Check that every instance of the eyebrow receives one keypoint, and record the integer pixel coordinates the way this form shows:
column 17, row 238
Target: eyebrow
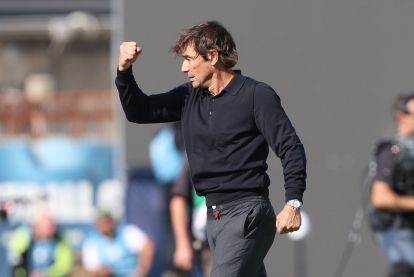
column 190, row 57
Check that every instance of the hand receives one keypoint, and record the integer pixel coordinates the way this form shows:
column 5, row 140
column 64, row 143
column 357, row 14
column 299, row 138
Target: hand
column 128, row 53
column 288, row 220
column 183, row 256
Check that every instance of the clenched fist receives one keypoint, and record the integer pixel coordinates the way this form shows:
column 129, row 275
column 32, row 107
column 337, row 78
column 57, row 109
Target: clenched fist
column 288, row 220
column 128, row 53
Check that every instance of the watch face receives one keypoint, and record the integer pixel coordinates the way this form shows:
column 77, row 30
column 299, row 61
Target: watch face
column 295, row 203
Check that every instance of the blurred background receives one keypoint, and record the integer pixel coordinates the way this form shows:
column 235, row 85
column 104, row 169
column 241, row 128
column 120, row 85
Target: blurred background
column 65, row 143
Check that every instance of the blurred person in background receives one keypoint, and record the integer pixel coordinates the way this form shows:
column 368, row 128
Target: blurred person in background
column 5, row 228
column 192, row 254
column 170, row 167
column 166, row 159
column 117, row 250
column 187, row 210
column 392, row 192
column 228, row 121
column 40, row 251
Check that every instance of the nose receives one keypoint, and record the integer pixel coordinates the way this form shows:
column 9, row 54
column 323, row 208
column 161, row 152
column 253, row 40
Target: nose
column 184, row 66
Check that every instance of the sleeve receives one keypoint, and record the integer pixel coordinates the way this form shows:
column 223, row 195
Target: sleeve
column 142, row 108
column 182, row 186
column 20, row 240
column 275, row 126
column 385, row 166
column 64, row 260
column 135, row 238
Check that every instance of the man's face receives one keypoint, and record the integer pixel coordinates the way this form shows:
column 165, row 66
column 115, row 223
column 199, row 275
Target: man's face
column 408, row 119
column 198, row 70
column 44, row 227
column 106, row 226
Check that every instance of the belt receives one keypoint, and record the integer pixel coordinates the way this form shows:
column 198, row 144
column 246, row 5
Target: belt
column 216, row 209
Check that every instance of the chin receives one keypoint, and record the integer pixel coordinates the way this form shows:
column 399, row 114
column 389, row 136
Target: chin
column 195, row 85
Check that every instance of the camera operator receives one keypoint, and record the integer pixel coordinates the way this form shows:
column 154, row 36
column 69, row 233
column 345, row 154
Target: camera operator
column 392, row 192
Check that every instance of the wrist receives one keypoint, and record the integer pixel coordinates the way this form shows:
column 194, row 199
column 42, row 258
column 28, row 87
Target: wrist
column 123, row 67
column 183, row 242
column 295, row 204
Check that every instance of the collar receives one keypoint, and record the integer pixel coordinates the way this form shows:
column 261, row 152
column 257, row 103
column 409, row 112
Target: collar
column 236, row 83
column 409, row 136
column 233, row 87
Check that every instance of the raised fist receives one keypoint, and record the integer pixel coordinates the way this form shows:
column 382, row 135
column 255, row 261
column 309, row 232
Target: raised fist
column 128, row 53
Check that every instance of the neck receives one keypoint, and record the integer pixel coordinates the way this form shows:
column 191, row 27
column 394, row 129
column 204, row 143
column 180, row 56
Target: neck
column 220, row 80
column 404, row 130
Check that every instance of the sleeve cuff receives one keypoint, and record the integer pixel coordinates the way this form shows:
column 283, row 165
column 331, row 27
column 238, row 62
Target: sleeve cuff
column 291, row 194
column 125, row 74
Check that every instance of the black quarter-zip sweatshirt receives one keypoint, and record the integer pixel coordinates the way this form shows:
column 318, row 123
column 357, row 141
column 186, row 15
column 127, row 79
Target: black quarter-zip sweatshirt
column 227, row 137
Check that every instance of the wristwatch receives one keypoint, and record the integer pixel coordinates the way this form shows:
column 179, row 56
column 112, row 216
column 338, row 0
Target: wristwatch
column 294, row 203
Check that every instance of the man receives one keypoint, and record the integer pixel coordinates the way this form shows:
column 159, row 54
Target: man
column 117, row 250
column 228, row 123
column 188, row 219
column 191, row 256
column 392, row 192
column 41, row 250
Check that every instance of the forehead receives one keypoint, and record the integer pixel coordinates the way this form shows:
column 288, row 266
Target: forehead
column 410, row 105
column 104, row 220
column 189, row 50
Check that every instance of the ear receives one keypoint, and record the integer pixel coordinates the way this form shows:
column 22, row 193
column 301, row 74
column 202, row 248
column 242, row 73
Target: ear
column 213, row 57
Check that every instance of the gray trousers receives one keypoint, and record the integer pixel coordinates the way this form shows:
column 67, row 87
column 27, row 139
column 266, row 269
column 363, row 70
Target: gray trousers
column 240, row 234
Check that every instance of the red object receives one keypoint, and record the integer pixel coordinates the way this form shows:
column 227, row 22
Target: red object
column 216, row 214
